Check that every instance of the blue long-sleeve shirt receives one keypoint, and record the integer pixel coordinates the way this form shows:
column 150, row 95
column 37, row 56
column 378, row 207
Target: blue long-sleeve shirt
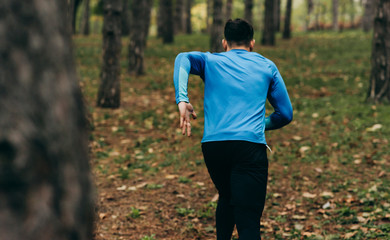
column 237, row 84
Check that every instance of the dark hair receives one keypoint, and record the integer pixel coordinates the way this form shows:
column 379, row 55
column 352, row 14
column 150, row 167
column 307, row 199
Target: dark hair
column 238, row 32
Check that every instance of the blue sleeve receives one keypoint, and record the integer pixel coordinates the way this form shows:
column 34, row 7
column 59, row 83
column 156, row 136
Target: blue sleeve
column 185, row 64
column 280, row 101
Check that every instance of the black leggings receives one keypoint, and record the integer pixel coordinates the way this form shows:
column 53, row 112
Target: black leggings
column 239, row 170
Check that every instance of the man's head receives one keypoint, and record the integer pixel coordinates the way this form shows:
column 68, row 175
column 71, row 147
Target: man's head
column 238, row 33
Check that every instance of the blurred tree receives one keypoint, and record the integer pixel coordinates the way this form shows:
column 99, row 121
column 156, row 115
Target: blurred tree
column 137, row 43
column 248, row 10
column 209, row 14
column 85, row 20
column 73, row 6
column 217, row 27
column 166, row 21
column 287, row 21
column 335, row 15
column 188, row 24
column 109, row 90
column 369, row 14
column 179, row 16
column 228, row 9
column 380, row 74
column 45, row 181
column 268, row 37
column 277, row 7
column 352, row 12
column 310, row 6
column 126, row 18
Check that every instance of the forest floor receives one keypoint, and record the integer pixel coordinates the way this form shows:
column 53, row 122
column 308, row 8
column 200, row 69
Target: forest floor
column 329, row 169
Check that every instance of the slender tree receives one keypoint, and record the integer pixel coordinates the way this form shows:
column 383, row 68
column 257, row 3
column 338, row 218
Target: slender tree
column 228, row 9
column 248, row 10
column 45, row 181
column 380, row 74
column 137, row 44
column 85, row 19
column 109, row 90
column 310, row 6
column 126, row 16
column 188, row 24
column 268, row 37
column 335, row 15
column 167, row 21
column 147, row 14
column 209, row 14
column 217, row 27
column 277, row 7
column 287, row 20
column 179, row 16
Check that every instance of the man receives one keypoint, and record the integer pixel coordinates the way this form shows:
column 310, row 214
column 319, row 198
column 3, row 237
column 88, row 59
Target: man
column 237, row 84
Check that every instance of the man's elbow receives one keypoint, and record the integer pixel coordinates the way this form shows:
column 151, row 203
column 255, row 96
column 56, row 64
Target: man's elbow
column 287, row 116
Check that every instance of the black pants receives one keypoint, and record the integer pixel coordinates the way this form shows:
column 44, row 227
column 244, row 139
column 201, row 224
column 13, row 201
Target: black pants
column 239, row 170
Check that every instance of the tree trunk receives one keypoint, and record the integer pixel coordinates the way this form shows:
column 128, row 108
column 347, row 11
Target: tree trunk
column 167, row 21
column 248, row 10
column 45, row 181
column 269, row 24
column 179, row 12
column 209, row 14
column 85, row 20
column 141, row 21
column 125, row 21
column 109, row 90
column 352, row 14
column 309, row 11
column 74, row 8
column 228, row 9
column 287, row 21
column 380, row 74
column 160, row 20
column 335, row 15
column 369, row 14
column 69, row 15
column 188, row 24
column 277, row 15
column 217, row 27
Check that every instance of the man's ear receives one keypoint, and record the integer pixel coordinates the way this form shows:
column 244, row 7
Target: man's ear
column 252, row 44
column 224, row 44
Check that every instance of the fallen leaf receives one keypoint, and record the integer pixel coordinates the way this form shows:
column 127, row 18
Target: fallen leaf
column 309, row 195
column 327, row 194
column 215, row 198
column 374, row 128
column 122, row 188
column 299, row 217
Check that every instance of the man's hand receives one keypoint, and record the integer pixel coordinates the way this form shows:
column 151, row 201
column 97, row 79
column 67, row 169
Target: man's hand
column 186, row 112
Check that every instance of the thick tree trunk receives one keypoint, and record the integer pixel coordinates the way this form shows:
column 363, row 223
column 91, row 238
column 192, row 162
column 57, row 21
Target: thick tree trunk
column 167, row 21
column 179, row 16
column 45, row 181
column 277, row 15
column 268, row 37
column 188, row 24
column 248, row 10
column 109, row 90
column 137, row 44
column 125, row 23
column 217, row 27
column 380, row 74
column 335, row 15
column 228, row 9
column 287, row 21
column 85, row 21
column 369, row 14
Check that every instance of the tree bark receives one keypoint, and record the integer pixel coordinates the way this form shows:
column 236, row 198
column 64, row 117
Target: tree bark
column 167, row 21
column 277, row 15
column 228, row 9
column 335, row 15
column 85, row 21
column 217, row 27
column 248, row 10
column 45, row 181
column 369, row 14
column 109, row 90
column 380, row 74
column 70, row 15
column 287, row 21
column 179, row 16
column 125, row 23
column 137, row 44
column 188, row 24
column 268, row 37
column 160, row 20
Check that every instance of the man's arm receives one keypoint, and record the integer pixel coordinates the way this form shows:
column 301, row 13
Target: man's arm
column 185, row 64
column 280, row 101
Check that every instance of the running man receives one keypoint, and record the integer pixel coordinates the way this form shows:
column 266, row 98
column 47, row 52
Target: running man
column 237, row 84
